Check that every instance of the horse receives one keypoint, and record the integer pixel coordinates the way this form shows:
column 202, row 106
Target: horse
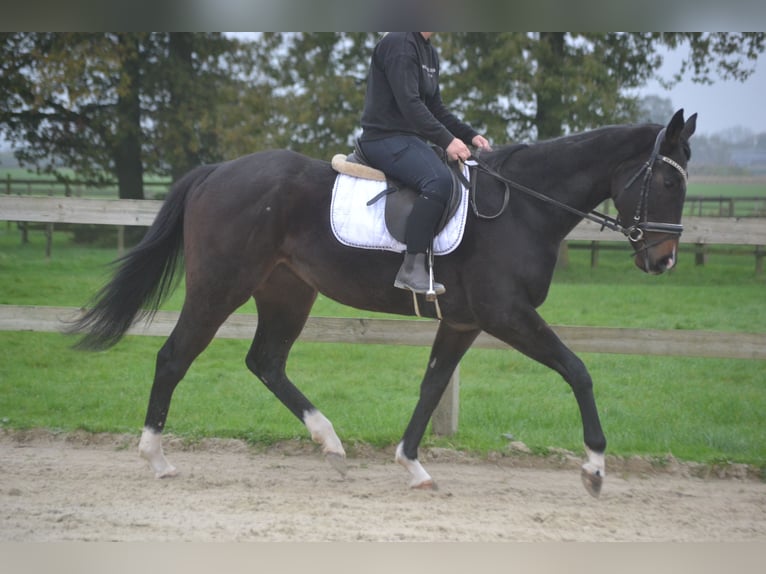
column 258, row 226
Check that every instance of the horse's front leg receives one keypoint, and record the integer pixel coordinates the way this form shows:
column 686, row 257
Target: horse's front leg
column 450, row 345
column 531, row 335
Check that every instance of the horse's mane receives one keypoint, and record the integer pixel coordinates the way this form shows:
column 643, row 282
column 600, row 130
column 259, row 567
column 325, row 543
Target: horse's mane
column 500, row 155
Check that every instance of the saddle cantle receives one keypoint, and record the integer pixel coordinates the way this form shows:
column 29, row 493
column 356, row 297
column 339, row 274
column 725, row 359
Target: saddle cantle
column 399, row 197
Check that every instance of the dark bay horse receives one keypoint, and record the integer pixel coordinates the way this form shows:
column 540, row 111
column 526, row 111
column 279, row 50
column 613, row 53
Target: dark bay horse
column 258, row 226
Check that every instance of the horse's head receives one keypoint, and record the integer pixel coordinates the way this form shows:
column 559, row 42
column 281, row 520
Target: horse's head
column 650, row 198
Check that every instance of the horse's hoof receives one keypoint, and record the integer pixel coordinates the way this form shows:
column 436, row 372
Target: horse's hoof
column 168, row 472
column 338, row 462
column 425, row 485
column 592, row 482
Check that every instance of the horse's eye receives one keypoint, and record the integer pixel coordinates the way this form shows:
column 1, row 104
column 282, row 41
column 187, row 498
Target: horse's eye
column 670, row 182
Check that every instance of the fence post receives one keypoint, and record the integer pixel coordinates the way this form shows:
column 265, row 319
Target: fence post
column 48, row 236
column 594, row 254
column 445, row 417
column 8, row 192
column 563, row 259
column 759, row 254
column 700, row 254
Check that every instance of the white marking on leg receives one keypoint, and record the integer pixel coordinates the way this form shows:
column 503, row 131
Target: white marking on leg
column 420, row 478
column 150, row 448
column 596, row 465
column 322, row 432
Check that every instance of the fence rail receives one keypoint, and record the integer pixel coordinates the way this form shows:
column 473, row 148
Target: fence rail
column 697, row 230
column 723, row 206
column 615, row 340
column 75, row 187
column 699, row 205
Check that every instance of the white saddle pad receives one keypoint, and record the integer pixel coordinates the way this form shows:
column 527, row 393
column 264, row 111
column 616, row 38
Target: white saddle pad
column 357, row 224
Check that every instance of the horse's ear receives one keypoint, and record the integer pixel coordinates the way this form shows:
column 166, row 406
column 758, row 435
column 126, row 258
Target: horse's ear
column 675, row 127
column 689, row 127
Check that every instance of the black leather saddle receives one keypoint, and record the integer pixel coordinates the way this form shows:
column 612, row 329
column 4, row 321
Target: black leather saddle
column 400, row 198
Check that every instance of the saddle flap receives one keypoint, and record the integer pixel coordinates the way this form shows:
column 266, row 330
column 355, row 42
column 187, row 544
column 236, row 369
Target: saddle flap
column 398, row 208
column 400, row 201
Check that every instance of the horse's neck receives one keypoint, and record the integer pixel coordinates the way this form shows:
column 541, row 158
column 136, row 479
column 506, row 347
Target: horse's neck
column 576, row 171
column 589, row 162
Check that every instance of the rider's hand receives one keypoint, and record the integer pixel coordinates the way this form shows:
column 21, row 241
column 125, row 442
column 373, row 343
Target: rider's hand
column 481, row 143
column 458, row 150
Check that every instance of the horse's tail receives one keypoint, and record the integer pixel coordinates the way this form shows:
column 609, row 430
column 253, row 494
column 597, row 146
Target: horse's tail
column 144, row 277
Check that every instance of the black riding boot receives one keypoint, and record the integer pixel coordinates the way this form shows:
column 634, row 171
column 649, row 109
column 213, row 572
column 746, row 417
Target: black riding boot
column 421, row 224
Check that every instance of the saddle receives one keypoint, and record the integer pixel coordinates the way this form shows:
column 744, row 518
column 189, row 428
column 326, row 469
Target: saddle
column 399, row 197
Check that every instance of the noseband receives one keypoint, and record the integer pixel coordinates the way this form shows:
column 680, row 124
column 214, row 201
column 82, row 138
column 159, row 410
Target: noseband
column 641, row 223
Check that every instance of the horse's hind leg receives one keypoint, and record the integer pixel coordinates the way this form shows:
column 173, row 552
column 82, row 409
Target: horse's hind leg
column 197, row 325
column 284, row 303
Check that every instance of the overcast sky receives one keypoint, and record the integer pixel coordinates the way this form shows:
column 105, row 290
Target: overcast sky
column 723, row 105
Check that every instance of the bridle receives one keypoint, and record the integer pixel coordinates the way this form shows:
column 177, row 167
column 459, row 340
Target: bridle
column 640, row 224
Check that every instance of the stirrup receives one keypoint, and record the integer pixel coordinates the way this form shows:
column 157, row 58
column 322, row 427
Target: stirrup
column 431, row 293
column 416, row 305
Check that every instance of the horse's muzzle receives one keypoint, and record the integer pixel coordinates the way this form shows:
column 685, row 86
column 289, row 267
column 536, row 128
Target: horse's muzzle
column 657, row 257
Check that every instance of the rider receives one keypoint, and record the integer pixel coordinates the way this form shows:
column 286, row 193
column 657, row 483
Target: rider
column 403, row 111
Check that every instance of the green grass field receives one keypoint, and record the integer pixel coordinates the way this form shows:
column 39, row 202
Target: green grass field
column 708, row 410
column 723, row 189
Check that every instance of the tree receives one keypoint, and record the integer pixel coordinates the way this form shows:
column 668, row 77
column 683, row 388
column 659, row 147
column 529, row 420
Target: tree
column 71, row 108
column 544, row 85
column 190, row 80
column 115, row 105
column 107, row 105
column 654, row 109
column 319, row 81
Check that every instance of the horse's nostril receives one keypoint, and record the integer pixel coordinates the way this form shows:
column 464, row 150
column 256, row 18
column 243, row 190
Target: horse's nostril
column 671, row 262
column 666, row 263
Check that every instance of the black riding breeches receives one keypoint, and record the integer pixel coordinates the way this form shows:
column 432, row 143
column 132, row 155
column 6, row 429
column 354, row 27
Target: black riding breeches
column 411, row 161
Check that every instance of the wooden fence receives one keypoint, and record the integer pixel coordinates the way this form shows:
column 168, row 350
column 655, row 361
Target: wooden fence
column 699, row 205
column 697, row 230
column 70, row 188
column 748, row 231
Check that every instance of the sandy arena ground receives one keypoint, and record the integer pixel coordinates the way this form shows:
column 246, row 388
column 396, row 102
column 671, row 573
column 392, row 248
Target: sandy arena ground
column 80, row 487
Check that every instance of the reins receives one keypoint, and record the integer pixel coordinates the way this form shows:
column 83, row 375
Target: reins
column 634, row 232
column 597, row 217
